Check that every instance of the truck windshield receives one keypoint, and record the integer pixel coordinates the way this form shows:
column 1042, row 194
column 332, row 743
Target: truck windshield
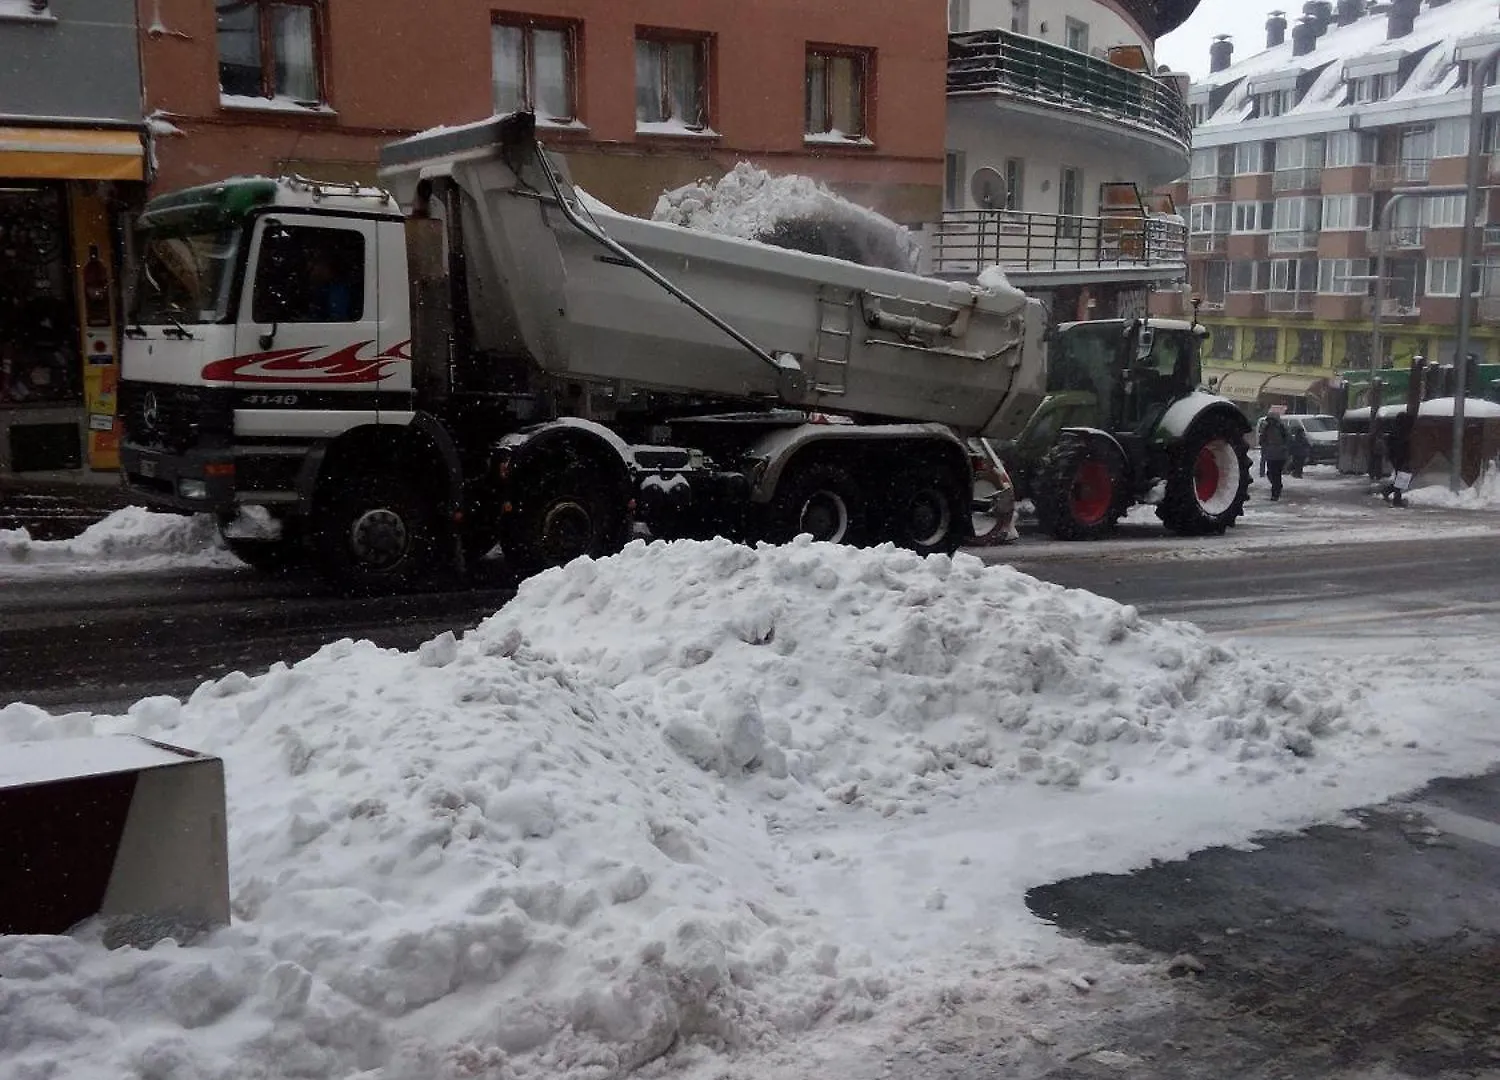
column 182, row 277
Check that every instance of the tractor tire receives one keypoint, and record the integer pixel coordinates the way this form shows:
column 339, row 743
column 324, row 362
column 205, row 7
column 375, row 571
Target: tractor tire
column 925, row 510
column 823, row 500
column 1080, row 490
column 564, row 516
column 1208, row 482
column 376, row 534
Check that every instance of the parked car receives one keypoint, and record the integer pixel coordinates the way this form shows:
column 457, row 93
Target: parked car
column 1322, row 436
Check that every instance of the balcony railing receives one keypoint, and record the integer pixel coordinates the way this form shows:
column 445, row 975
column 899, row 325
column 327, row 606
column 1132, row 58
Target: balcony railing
column 1207, row 243
column 967, row 241
column 1395, row 307
column 1289, row 303
column 1406, row 236
column 1200, row 186
column 1033, row 70
column 1296, row 179
column 1294, row 240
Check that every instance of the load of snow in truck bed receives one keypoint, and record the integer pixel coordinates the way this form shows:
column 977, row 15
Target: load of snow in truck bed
column 789, row 211
column 579, row 835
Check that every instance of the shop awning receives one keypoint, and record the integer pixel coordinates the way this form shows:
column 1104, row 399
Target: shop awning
column 1294, row 385
column 1242, row 385
column 43, row 153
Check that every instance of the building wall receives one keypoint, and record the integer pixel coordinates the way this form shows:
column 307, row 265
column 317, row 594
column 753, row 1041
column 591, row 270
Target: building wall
column 1109, row 24
column 78, row 60
column 393, row 68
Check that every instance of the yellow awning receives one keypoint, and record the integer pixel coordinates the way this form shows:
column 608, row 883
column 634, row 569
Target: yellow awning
column 1242, row 385
column 43, row 153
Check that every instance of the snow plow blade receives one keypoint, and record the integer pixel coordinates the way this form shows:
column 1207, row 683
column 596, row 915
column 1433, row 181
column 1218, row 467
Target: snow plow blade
column 119, row 827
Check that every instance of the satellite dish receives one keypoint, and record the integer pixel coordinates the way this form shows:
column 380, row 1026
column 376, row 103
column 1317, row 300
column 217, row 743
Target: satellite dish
column 987, row 188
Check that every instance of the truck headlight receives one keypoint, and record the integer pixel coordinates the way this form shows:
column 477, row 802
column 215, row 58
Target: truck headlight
column 192, row 489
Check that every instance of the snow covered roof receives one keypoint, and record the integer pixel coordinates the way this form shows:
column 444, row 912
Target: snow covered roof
column 1342, row 52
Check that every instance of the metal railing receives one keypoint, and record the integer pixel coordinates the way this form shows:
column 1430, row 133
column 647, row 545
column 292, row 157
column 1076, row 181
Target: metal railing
column 1200, row 186
column 967, row 241
column 1296, row 179
column 1038, row 71
column 1286, row 303
column 1294, row 240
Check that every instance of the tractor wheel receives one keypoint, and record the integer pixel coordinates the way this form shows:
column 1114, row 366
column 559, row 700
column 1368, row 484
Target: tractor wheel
column 1209, row 480
column 377, row 534
column 561, row 517
column 823, row 500
column 1080, row 490
column 992, row 511
column 925, row 510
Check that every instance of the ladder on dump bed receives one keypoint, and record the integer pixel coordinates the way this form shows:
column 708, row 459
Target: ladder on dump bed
column 835, row 340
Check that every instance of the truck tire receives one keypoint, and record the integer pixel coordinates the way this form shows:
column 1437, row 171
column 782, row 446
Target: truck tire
column 1209, row 481
column 376, row 534
column 926, row 511
column 560, row 518
column 1079, row 491
column 821, row 499
column 992, row 510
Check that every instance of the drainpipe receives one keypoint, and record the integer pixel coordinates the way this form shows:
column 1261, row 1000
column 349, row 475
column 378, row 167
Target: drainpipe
column 1478, row 73
column 1383, row 228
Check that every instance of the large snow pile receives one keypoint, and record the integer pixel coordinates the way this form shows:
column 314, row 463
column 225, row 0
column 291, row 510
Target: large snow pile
column 792, row 212
column 130, row 534
column 1484, row 495
column 580, row 835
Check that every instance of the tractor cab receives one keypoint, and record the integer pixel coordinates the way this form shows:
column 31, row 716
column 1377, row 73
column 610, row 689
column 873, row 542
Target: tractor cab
column 1161, row 366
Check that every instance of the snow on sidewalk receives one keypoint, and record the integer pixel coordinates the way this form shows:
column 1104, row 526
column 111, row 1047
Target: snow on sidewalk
column 1484, row 495
column 142, row 538
column 697, row 797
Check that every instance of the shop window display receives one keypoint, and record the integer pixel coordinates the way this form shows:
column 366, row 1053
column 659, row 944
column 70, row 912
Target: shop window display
column 38, row 328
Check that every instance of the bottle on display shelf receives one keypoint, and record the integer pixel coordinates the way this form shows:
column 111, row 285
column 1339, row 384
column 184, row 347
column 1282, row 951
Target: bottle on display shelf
column 95, row 290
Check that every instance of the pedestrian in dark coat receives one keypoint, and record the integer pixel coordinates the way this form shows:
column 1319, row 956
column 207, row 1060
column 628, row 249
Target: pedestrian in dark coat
column 1301, row 451
column 1275, row 446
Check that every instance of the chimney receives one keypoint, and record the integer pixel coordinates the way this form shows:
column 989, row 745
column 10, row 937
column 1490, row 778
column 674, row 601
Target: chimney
column 1401, row 18
column 1304, row 36
column 1320, row 12
column 1220, row 53
column 1349, row 11
column 1275, row 29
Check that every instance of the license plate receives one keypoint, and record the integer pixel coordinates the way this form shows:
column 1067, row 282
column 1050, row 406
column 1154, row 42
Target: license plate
column 148, row 468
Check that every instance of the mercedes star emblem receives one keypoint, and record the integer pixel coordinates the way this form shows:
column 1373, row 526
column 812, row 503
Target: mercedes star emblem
column 150, row 410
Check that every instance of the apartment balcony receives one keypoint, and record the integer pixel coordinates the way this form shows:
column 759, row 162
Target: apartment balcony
column 1296, row 179
column 1059, row 248
column 1208, row 244
column 1492, row 236
column 1208, row 186
column 1399, row 307
column 1295, row 240
column 1405, row 237
column 1110, row 105
column 1290, row 303
column 1401, row 174
column 1489, row 309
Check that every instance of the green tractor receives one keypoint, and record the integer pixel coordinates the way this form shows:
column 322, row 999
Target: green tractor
column 1124, row 422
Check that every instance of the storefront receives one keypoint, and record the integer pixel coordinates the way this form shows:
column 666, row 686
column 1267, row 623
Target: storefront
column 64, row 195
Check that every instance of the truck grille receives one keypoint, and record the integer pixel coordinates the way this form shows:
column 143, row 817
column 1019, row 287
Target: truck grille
column 172, row 417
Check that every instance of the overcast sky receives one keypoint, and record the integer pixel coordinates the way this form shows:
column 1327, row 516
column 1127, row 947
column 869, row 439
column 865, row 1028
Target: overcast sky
column 1186, row 48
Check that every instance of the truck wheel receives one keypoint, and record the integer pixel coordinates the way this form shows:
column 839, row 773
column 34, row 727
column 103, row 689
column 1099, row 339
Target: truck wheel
column 823, row 500
column 992, row 510
column 376, row 534
column 1209, row 480
column 1079, row 491
column 562, row 518
column 925, row 511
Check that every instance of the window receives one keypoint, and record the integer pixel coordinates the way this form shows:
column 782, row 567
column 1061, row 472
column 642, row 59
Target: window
column 1306, row 153
column 1266, row 341
column 269, row 50
column 1309, row 351
column 671, row 82
column 1275, row 102
column 958, row 16
column 1293, row 275
column 1221, row 342
column 533, row 65
column 1349, row 148
column 836, row 92
column 1076, row 34
column 309, row 275
column 1416, row 144
column 1210, row 217
column 1450, row 138
column 1020, row 16
column 1446, row 211
column 1253, row 217
column 1249, row 276
column 1198, row 113
column 1069, row 191
column 1215, row 282
column 1015, row 177
column 953, row 179
column 1443, row 275
column 1344, row 277
column 1249, row 158
column 1205, row 163
column 1466, row 73
column 1347, row 212
column 1357, row 346
column 1369, row 88
column 1295, row 223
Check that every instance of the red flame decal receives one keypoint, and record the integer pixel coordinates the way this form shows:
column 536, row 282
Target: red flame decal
column 304, row 365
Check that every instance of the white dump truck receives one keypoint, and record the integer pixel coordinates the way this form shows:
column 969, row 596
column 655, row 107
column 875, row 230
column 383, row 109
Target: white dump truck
column 395, row 380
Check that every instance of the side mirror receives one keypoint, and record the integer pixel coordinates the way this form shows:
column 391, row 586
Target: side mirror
column 1145, row 338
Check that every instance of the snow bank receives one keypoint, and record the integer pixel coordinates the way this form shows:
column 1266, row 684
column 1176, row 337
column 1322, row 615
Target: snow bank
column 1485, row 495
column 789, row 211
column 131, row 534
column 591, row 829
